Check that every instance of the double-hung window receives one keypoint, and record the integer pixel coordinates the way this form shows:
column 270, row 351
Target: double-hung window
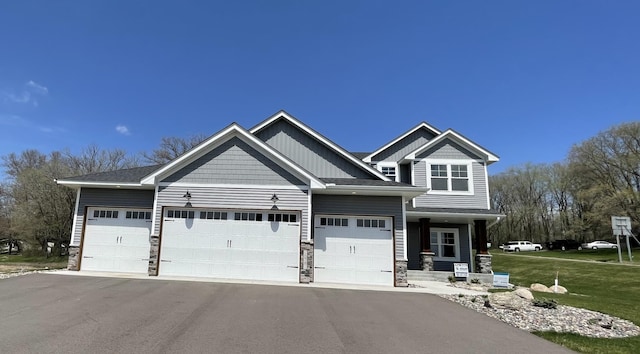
column 445, row 243
column 453, row 178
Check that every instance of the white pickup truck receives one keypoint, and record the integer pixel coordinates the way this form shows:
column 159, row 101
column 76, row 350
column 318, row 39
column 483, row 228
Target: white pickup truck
column 517, row 246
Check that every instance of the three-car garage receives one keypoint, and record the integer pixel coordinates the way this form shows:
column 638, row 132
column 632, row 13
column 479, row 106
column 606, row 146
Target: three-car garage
column 261, row 245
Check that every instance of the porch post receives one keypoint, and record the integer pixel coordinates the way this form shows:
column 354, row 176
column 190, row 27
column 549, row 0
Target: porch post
column 483, row 258
column 481, row 236
column 425, row 235
column 426, row 256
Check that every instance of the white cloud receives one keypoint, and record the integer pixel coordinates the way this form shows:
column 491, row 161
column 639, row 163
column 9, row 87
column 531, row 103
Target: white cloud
column 12, row 120
column 29, row 94
column 37, row 88
column 122, row 129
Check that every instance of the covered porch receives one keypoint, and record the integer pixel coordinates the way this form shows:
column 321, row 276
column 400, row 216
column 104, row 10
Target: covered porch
column 439, row 237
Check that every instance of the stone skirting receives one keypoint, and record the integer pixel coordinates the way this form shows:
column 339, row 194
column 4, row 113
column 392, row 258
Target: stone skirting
column 306, row 262
column 74, row 258
column 401, row 274
column 154, row 252
column 483, row 264
column 426, row 261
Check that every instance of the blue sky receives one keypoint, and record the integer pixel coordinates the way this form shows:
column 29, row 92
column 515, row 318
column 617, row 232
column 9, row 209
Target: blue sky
column 525, row 79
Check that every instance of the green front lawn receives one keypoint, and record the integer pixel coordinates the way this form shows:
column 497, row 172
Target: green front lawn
column 608, row 255
column 603, row 286
column 18, row 263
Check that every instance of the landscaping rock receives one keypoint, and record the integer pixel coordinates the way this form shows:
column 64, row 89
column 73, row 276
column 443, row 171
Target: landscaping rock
column 524, row 293
column 540, row 288
column 508, row 300
column 559, row 290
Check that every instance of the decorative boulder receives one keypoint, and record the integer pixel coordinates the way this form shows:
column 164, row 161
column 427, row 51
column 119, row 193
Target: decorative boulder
column 540, row 288
column 559, row 290
column 508, row 300
column 524, row 293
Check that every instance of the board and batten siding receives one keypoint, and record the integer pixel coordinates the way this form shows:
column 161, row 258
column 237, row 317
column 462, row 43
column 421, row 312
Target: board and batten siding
column 308, row 152
column 402, row 148
column 108, row 198
column 234, row 162
column 290, row 199
column 366, row 206
column 449, row 150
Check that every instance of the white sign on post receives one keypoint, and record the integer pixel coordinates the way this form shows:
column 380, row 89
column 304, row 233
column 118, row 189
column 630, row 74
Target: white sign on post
column 621, row 225
column 460, row 270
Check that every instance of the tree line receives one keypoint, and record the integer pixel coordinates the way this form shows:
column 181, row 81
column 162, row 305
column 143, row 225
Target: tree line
column 574, row 199
column 37, row 213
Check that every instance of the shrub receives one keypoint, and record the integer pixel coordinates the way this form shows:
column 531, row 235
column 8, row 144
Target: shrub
column 545, row 303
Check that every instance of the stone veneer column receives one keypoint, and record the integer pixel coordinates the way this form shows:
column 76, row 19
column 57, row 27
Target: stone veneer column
column 483, row 263
column 74, row 258
column 401, row 274
column 426, row 261
column 154, row 252
column 306, row 262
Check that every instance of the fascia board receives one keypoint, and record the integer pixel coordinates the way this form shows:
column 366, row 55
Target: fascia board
column 407, row 133
column 78, row 184
column 320, row 138
column 450, row 134
column 454, row 215
column 188, row 156
column 410, row 192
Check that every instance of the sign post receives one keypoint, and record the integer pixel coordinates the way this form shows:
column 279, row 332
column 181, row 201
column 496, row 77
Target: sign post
column 621, row 226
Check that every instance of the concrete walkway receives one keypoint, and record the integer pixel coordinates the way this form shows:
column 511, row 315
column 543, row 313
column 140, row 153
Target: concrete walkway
column 427, row 287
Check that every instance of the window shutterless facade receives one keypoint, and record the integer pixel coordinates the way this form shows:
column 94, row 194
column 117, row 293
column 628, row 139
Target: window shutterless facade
column 449, row 178
column 445, row 243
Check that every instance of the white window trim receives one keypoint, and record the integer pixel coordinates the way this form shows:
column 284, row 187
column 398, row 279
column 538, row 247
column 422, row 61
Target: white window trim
column 448, row 163
column 456, row 234
column 379, row 166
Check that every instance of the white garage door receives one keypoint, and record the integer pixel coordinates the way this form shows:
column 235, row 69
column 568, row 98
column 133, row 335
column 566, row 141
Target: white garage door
column 353, row 249
column 232, row 244
column 116, row 240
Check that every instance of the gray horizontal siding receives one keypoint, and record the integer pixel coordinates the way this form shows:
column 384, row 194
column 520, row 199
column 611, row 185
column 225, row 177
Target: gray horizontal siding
column 113, row 198
column 234, row 198
column 403, row 147
column 447, row 149
column 364, row 205
column 309, row 153
column 476, row 201
column 234, row 162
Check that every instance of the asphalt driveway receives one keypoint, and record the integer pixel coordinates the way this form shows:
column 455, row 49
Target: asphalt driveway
column 68, row 314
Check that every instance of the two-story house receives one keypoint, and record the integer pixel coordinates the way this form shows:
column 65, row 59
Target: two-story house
column 281, row 202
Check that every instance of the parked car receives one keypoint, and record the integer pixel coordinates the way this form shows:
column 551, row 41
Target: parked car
column 517, row 246
column 595, row 245
column 564, row 245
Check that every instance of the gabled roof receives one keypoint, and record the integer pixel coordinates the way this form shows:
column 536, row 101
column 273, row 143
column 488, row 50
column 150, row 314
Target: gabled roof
column 422, row 125
column 233, row 130
column 319, row 137
column 126, row 177
column 460, row 139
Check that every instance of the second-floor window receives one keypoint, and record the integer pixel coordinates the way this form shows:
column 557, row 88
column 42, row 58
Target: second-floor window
column 389, row 171
column 454, row 178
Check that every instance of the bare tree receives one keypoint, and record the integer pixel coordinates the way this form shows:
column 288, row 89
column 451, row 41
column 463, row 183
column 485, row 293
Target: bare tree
column 171, row 148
